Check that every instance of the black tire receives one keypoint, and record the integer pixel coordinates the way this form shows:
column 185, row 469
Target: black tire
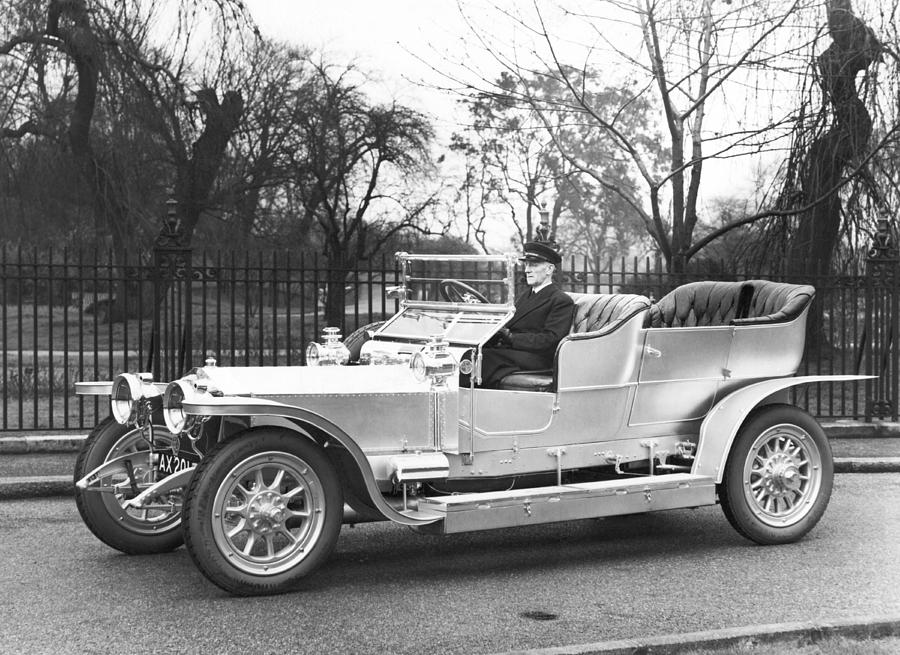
column 778, row 478
column 355, row 340
column 136, row 532
column 251, row 536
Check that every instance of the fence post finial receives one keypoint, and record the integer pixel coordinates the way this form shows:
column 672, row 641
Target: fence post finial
column 170, row 235
column 882, row 329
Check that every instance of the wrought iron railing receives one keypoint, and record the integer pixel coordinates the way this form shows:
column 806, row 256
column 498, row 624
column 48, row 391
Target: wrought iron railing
column 69, row 316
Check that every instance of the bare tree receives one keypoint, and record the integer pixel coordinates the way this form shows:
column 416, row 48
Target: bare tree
column 73, row 58
column 474, row 195
column 192, row 102
column 838, row 175
column 258, row 165
column 519, row 152
column 505, row 141
column 836, row 142
column 723, row 77
column 64, row 33
column 350, row 172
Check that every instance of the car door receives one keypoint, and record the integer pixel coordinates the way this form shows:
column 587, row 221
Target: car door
column 681, row 370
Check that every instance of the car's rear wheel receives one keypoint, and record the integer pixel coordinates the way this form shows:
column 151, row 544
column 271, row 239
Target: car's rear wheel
column 132, row 531
column 778, row 477
column 263, row 511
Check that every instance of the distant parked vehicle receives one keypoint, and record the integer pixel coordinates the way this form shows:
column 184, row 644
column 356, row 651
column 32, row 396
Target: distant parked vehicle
column 681, row 403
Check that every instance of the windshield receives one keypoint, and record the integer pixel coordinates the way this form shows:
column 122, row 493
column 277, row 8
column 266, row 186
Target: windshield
column 464, row 298
column 454, row 278
column 466, row 327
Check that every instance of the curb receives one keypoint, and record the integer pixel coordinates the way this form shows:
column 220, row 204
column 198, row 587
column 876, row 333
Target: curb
column 53, row 443
column 806, row 632
column 847, row 429
column 36, row 487
column 867, row 465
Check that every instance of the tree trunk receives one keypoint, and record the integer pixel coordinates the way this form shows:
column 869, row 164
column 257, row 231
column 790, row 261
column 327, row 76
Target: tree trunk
column 70, row 22
column 853, row 48
column 245, row 207
column 336, row 297
column 196, row 175
column 194, row 182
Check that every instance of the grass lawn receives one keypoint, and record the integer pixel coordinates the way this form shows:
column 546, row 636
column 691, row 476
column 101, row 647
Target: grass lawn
column 63, row 412
column 46, row 349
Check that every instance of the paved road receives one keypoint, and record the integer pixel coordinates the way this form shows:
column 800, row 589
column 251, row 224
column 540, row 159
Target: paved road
column 388, row 589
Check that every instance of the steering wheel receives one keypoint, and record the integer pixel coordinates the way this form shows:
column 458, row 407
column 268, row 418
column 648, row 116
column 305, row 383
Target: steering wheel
column 456, row 291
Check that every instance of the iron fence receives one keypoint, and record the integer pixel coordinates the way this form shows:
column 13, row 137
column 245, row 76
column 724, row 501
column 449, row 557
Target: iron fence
column 70, row 316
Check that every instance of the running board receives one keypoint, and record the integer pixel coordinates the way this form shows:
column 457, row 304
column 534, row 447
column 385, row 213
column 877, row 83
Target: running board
column 507, row 509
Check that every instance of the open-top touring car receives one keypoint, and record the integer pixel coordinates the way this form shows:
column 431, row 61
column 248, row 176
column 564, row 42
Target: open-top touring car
column 649, row 406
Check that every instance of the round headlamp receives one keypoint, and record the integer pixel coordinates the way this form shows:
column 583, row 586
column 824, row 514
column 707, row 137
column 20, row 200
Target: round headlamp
column 176, row 419
column 128, row 392
column 124, row 401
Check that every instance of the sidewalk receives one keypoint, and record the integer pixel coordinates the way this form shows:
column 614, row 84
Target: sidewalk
column 788, row 635
column 33, row 465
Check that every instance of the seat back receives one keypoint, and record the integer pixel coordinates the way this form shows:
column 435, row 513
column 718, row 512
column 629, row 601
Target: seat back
column 595, row 314
column 604, row 311
column 730, row 303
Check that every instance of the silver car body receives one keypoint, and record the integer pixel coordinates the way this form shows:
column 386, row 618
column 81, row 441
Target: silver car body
column 622, row 394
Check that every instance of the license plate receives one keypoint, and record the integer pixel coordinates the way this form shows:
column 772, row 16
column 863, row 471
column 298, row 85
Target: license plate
column 170, row 463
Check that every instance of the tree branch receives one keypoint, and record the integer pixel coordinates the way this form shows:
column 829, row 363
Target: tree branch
column 28, row 127
column 858, row 171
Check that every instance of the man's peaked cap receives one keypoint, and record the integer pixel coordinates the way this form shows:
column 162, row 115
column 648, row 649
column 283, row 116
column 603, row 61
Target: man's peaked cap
column 541, row 251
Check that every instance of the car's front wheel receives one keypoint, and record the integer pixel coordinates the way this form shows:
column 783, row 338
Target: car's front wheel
column 263, row 511
column 778, row 477
column 104, row 511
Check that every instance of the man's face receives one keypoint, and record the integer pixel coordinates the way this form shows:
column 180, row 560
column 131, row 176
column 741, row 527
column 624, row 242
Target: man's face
column 536, row 273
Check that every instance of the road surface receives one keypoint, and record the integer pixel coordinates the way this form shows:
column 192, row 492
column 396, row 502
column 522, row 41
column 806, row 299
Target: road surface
column 388, row 589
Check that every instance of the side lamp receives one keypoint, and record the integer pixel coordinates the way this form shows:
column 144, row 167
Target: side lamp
column 332, row 352
column 434, row 362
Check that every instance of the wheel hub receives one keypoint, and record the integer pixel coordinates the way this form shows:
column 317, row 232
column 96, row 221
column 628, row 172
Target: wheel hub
column 266, row 512
column 781, row 476
column 269, row 514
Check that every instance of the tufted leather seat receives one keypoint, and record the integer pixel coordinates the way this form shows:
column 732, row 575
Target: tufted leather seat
column 604, row 311
column 595, row 314
column 730, row 303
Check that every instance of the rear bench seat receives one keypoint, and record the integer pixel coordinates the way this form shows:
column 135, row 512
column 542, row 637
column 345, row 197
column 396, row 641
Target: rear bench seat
column 753, row 302
column 595, row 314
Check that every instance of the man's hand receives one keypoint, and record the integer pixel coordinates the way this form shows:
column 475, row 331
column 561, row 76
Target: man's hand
column 503, row 337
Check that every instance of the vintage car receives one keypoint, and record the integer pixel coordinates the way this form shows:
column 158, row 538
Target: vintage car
column 649, row 406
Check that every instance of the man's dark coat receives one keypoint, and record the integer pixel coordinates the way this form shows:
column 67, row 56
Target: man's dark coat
column 541, row 320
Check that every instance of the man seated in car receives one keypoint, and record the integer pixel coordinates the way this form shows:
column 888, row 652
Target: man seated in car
column 543, row 317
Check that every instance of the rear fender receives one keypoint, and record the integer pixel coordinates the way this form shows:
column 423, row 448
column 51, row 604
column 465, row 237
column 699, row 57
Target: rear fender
column 313, row 423
column 721, row 425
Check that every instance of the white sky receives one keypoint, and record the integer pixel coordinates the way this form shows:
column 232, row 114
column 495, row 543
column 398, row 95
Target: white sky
column 379, row 35
column 397, row 41
column 386, row 38
column 391, row 40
